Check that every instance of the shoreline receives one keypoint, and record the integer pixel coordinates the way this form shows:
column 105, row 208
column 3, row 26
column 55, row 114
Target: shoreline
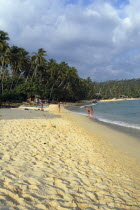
column 130, row 131
column 51, row 160
column 119, row 99
column 115, row 135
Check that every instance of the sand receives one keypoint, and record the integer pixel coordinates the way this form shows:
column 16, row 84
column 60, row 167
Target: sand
column 48, row 160
column 118, row 99
column 123, row 139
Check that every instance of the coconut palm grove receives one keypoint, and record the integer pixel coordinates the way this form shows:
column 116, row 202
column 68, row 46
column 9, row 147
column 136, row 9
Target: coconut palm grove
column 25, row 74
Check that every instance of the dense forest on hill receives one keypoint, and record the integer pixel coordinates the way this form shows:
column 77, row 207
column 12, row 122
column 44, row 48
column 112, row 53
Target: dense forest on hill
column 119, row 89
column 23, row 75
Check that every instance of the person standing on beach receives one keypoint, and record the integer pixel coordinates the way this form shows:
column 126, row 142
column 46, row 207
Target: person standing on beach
column 42, row 105
column 88, row 111
column 64, row 103
column 59, row 106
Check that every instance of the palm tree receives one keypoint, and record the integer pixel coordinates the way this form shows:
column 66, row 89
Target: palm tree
column 38, row 61
column 62, row 77
column 3, row 56
column 14, row 60
column 18, row 60
column 24, row 63
column 70, row 85
column 3, row 48
column 4, row 36
column 3, row 41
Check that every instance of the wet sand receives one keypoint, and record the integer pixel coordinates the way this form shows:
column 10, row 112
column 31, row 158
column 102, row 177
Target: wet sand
column 52, row 160
column 119, row 137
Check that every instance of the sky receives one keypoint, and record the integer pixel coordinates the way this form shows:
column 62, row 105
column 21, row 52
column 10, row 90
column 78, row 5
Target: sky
column 100, row 38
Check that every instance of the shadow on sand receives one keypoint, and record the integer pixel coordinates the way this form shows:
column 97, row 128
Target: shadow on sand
column 11, row 114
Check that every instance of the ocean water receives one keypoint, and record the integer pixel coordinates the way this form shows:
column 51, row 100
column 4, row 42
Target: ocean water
column 122, row 113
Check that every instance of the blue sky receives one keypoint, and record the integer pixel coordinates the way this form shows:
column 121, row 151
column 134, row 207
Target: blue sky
column 114, row 3
column 118, row 3
column 101, row 38
column 81, row 2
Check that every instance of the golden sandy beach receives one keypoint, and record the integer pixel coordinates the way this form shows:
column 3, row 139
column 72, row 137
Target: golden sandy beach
column 51, row 162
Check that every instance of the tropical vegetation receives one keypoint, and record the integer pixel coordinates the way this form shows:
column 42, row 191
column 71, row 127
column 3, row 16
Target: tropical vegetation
column 23, row 75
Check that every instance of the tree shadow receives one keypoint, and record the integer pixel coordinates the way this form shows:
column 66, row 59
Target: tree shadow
column 11, row 114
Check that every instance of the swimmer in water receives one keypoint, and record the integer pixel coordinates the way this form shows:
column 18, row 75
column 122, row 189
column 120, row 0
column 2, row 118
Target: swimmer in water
column 92, row 111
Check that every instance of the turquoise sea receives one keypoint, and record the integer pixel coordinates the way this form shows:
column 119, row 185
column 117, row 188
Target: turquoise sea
column 121, row 113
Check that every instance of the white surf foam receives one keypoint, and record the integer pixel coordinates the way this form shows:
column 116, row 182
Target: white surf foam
column 120, row 123
column 87, row 105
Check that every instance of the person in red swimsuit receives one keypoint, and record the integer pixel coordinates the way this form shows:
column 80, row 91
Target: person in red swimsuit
column 59, row 106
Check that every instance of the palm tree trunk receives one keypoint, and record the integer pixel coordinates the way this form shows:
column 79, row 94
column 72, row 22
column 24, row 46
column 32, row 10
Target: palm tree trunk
column 18, row 79
column 1, row 87
column 2, row 78
column 11, row 84
column 52, row 89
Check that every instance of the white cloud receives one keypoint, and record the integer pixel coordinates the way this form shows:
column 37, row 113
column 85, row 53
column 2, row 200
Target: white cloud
column 91, row 37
